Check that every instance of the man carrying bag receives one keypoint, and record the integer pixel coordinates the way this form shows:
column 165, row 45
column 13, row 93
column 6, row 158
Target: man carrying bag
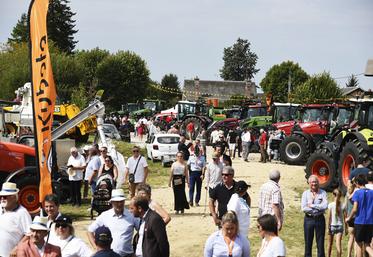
column 136, row 170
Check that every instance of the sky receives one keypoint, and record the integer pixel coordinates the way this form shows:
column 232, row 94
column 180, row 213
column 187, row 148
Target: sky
column 188, row 37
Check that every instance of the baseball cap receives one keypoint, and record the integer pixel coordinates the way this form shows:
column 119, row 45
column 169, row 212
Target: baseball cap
column 103, row 235
column 241, row 186
column 64, row 219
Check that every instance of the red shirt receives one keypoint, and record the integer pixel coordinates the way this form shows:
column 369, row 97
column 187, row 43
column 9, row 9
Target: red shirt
column 263, row 138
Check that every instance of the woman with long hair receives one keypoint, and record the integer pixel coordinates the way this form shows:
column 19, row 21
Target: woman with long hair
column 178, row 175
column 109, row 168
column 272, row 245
column 350, row 225
column 227, row 241
column 336, row 220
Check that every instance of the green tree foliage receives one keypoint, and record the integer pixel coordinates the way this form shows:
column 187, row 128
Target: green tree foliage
column 318, row 88
column 277, row 78
column 239, row 62
column 352, row 81
column 80, row 97
column 60, row 25
column 170, row 81
column 124, row 76
column 20, row 31
column 14, row 69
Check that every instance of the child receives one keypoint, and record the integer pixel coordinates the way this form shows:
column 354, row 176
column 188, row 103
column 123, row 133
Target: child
column 336, row 220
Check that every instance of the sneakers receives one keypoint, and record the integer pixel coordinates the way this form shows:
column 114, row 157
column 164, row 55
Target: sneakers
column 191, row 204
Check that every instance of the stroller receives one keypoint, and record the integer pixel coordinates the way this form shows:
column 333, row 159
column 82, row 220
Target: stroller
column 102, row 194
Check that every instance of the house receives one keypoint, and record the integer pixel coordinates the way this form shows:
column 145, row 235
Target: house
column 221, row 90
column 352, row 92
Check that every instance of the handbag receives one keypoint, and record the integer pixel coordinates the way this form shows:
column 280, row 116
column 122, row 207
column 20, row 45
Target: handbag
column 178, row 181
column 131, row 176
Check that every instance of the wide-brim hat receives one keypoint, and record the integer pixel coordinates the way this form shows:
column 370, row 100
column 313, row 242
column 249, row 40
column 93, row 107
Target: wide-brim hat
column 39, row 223
column 71, row 172
column 9, row 188
column 117, row 195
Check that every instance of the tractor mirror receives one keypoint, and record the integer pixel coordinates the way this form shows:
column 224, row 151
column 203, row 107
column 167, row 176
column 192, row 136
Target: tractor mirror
column 369, row 68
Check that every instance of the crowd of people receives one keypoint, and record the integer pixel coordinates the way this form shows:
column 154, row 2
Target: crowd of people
column 140, row 228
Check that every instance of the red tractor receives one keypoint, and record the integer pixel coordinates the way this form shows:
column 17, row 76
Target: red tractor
column 317, row 123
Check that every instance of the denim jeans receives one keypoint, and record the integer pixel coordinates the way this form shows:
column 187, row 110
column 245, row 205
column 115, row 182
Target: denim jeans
column 312, row 225
column 195, row 180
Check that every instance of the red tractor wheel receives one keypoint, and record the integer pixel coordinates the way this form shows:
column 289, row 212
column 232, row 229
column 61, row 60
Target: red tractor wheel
column 28, row 195
column 321, row 164
column 350, row 154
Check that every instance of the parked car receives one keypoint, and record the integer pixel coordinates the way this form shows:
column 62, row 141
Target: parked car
column 111, row 131
column 163, row 147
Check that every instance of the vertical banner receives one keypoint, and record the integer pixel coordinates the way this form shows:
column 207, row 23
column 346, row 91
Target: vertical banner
column 43, row 92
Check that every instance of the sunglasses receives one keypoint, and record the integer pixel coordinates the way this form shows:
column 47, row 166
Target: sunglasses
column 103, row 151
column 107, row 160
column 62, row 225
column 135, row 151
column 227, row 175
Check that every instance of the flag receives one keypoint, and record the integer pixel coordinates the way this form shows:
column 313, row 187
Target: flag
column 43, row 92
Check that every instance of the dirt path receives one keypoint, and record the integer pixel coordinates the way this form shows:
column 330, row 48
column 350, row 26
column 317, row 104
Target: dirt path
column 188, row 233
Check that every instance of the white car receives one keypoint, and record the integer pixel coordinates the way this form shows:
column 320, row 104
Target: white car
column 163, row 147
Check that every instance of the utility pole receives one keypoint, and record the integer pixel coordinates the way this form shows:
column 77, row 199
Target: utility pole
column 289, row 84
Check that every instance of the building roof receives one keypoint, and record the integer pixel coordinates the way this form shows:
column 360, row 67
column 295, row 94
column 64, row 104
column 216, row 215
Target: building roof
column 349, row 90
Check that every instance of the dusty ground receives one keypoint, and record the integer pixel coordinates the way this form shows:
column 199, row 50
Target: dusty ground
column 188, row 233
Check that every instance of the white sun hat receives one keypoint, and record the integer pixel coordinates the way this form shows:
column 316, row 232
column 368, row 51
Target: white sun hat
column 117, row 195
column 9, row 188
column 39, row 223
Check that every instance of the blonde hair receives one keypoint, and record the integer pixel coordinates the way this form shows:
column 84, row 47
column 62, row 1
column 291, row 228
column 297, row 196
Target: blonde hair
column 231, row 217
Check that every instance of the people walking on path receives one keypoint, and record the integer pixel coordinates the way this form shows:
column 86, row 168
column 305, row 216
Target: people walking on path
column 196, row 165
column 213, row 172
column 221, row 195
column 314, row 203
column 178, row 175
column 270, row 198
column 246, row 143
column 240, row 206
column 136, row 170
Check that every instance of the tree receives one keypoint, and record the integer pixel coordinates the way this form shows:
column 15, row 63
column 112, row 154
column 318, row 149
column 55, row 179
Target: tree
column 352, row 81
column 20, row 31
column 277, row 78
column 318, row 88
column 239, row 62
column 60, row 25
column 171, row 82
column 124, row 77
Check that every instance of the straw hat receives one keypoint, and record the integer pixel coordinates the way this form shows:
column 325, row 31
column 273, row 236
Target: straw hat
column 9, row 188
column 71, row 172
column 39, row 223
column 117, row 195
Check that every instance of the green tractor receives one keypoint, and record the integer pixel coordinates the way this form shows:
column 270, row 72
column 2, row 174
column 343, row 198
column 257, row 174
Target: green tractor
column 333, row 161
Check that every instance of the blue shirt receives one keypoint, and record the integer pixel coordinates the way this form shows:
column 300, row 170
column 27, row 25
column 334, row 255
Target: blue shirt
column 317, row 204
column 216, row 246
column 121, row 227
column 196, row 163
column 364, row 199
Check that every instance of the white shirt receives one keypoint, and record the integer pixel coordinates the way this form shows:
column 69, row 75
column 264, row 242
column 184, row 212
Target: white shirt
column 215, row 136
column 76, row 162
column 13, row 226
column 369, row 186
column 93, row 164
column 121, row 228
column 52, row 237
column 213, row 174
column 131, row 165
column 273, row 248
column 336, row 221
column 73, row 247
column 141, row 236
column 246, row 137
column 178, row 169
column 242, row 210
